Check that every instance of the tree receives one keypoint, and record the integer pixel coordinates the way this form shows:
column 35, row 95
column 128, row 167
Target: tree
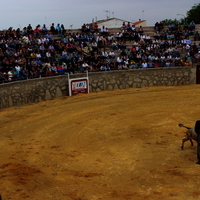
column 167, row 22
column 194, row 14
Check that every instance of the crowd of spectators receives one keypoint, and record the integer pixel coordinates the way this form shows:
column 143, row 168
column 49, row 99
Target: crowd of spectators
column 31, row 53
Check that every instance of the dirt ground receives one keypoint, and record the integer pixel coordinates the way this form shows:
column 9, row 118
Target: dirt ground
column 111, row 145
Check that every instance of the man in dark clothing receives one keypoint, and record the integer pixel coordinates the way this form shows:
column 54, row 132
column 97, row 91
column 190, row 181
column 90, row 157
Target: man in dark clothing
column 197, row 130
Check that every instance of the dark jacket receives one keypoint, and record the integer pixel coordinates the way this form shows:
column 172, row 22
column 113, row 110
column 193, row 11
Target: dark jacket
column 197, row 127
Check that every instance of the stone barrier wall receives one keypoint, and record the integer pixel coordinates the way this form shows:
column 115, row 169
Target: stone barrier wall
column 42, row 89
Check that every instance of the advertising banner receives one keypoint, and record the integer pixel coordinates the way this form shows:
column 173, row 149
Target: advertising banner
column 78, row 85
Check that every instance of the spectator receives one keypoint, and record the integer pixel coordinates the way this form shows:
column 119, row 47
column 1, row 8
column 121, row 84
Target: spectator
column 196, row 36
column 58, row 29
column 63, row 29
column 54, row 69
column 31, row 48
column 96, row 30
column 192, row 27
column 29, row 29
column 44, row 29
column 52, row 28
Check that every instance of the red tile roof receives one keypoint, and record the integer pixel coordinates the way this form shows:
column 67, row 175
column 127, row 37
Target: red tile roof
column 138, row 22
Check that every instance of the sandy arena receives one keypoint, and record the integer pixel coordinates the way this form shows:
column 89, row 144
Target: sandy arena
column 111, row 145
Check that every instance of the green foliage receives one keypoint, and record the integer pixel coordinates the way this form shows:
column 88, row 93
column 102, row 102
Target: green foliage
column 194, row 14
column 167, row 22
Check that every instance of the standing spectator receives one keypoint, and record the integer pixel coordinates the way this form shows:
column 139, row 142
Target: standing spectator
column 52, row 28
column 37, row 31
column 63, row 29
column 44, row 29
column 58, row 29
column 192, row 26
column 96, row 27
column 197, row 130
column 29, row 29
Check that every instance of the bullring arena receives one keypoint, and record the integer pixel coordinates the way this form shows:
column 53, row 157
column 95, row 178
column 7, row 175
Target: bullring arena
column 110, row 145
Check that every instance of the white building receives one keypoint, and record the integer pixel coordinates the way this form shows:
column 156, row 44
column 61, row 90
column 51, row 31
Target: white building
column 117, row 23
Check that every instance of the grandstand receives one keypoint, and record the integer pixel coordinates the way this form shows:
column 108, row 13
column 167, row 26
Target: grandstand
column 32, row 53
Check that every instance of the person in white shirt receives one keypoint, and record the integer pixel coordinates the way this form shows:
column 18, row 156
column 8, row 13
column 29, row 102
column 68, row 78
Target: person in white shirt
column 111, row 53
column 18, row 68
column 85, row 67
column 104, row 54
column 144, row 64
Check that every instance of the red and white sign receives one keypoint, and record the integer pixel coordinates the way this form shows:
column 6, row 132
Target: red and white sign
column 78, row 85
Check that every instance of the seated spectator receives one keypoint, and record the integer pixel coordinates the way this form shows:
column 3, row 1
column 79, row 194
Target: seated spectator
column 111, row 54
column 94, row 46
column 185, row 25
column 86, row 51
column 105, row 67
column 48, row 37
column 47, row 70
column 151, row 57
column 15, row 74
column 71, row 68
column 51, row 48
column 63, row 68
column 119, row 62
column 168, row 63
column 176, row 52
column 33, row 63
column 121, row 45
column 132, row 64
column 84, row 67
column 70, row 47
column 119, row 36
column 125, row 64
column 150, row 64
column 3, row 78
column 114, row 45
column 54, row 69
column 144, row 64
column 156, row 35
column 24, row 73
column 104, row 30
column 156, row 63
column 196, row 36
column 110, row 38
column 169, row 57
column 104, row 54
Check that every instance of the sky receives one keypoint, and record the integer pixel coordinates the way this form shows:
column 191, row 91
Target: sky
column 74, row 13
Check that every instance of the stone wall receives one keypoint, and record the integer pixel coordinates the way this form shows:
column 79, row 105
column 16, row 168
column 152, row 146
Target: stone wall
column 41, row 89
